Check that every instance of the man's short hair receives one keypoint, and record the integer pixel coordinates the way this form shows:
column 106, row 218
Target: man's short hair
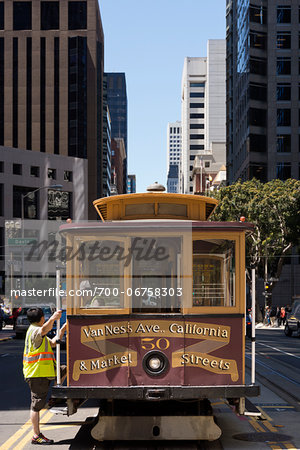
column 35, row 314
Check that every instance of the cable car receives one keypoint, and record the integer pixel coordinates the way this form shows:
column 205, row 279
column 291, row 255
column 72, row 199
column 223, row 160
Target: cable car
column 156, row 316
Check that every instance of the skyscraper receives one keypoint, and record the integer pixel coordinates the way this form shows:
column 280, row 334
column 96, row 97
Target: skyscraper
column 117, row 104
column 174, row 147
column 203, row 112
column 51, row 81
column 262, row 90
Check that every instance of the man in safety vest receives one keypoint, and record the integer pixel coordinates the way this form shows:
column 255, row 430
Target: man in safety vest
column 39, row 365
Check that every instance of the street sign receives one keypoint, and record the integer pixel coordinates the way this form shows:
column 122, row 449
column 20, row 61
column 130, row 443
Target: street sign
column 21, row 241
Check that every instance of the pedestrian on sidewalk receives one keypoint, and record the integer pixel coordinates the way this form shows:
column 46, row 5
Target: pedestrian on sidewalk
column 39, row 366
column 282, row 315
column 267, row 320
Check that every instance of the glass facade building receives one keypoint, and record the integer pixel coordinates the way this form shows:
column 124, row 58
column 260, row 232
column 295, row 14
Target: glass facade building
column 117, row 104
column 262, row 104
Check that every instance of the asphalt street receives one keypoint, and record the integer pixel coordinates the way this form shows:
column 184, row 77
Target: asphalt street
column 278, row 358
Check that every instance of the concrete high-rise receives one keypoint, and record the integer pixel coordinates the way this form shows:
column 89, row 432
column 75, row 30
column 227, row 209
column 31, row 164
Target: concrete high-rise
column 263, row 90
column 51, row 82
column 117, row 104
column 203, row 112
column 174, row 147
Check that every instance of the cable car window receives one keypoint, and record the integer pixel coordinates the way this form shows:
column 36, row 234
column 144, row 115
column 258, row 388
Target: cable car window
column 213, row 272
column 156, row 275
column 140, row 209
column 172, row 209
column 101, row 278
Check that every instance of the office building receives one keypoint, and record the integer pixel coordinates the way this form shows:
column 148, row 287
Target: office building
column 173, row 155
column 117, row 104
column 117, row 165
column 203, row 112
column 51, row 84
column 263, row 90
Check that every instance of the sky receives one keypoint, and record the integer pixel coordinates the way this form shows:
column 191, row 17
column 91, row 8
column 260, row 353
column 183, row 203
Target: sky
column 148, row 40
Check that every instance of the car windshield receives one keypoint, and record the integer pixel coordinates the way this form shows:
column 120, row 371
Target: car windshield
column 46, row 310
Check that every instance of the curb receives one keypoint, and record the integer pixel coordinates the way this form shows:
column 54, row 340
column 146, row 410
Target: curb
column 6, row 338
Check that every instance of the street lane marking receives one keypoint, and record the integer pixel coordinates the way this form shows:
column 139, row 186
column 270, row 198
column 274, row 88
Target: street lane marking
column 256, row 426
column 278, row 350
column 289, row 445
column 29, row 435
column 270, row 427
column 24, row 428
column 264, row 413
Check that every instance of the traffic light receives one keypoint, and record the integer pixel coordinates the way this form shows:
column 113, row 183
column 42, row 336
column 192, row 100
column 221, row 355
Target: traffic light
column 267, row 286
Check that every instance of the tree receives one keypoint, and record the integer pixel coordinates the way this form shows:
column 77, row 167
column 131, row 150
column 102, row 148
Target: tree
column 273, row 208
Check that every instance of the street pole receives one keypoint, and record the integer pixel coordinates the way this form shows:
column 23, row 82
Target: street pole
column 253, row 327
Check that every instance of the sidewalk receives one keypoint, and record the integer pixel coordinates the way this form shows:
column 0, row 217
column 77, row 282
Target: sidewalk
column 7, row 333
column 268, row 327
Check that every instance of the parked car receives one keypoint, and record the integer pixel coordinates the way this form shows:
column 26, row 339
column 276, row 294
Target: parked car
column 292, row 323
column 22, row 322
column 62, row 321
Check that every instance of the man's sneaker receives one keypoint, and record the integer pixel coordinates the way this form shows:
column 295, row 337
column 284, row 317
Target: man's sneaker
column 41, row 440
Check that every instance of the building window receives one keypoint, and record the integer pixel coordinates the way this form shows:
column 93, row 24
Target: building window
column 258, row 14
column 1, row 166
column 197, row 85
column 283, row 40
column 52, row 174
column 22, row 16
column 258, row 91
column 258, row 117
column 56, row 95
column 1, row 206
column 1, row 15
column 1, row 90
column 191, row 188
column 283, row 66
column 77, row 95
column 196, row 147
column 258, row 143
column 196, row 116
column 15, row 92
column 43, row 95
column 192, row 157
column 17, row 169
column 283, row 143
column 68, row 175
column 283, row 117
column 49, row 15
column 30, row 202
column 34, row 171
column 196, row 94
column 196, row 105
column 195, row 126
column 28, row 93
column 284, row 14
column 258, row 40
column 196, row 136
column 283, row 91
column 258, row 171
column 206, row 164
column 258, row 66
column 283, row 170
column 77, row 16
column 191, row 167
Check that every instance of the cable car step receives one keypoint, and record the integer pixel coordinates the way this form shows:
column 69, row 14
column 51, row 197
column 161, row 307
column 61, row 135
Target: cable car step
column 251, row 409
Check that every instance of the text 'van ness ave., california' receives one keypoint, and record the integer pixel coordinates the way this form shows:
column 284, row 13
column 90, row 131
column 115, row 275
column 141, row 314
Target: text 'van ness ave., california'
column 168, row 328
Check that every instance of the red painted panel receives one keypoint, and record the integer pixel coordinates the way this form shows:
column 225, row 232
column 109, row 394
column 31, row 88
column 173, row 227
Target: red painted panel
column 201, row 351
